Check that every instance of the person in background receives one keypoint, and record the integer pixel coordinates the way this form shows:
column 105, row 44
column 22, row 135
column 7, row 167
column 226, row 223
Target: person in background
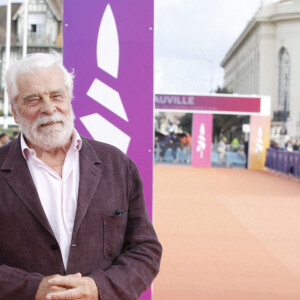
column 296, row 146
column 15, row 135
column 274, row 145
column 246, row 150
column 4, row 139
column 175, row 146
column 73, row 221
column 289, row 146
column 221, row 150
column 189, row 148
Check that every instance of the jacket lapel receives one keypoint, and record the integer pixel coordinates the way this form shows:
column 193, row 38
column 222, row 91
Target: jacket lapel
column 17, row 174
column 90, row 173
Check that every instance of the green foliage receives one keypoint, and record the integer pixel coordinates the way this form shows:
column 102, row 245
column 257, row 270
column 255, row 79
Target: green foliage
column 223, row 90
column 186, row 123
column 229, row 126
column 223, row 123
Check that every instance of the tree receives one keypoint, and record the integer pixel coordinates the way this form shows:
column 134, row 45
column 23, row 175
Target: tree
column 229, row 126
column 222, row 90
column 186, row 123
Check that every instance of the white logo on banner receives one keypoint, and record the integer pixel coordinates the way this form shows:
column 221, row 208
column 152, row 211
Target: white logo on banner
column 259, row 145
column 107, row 60
column 105, row 131
column 201, row 143
column 108, row 44
column 108, row 97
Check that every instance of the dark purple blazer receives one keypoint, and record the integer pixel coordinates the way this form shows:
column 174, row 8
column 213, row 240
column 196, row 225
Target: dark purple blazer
column 113, row 239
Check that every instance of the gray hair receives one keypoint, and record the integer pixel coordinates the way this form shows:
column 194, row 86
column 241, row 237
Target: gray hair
column 34, row 62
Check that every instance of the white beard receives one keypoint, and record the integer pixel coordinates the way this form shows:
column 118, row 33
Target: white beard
column 52, row 136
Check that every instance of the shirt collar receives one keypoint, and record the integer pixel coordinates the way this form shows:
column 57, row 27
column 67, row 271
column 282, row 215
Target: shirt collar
column 76, row 145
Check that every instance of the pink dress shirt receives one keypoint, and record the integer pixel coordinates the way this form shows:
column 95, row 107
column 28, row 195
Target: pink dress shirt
column 58, row 196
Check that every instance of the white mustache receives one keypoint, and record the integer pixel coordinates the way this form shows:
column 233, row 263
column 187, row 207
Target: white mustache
column 44, row 120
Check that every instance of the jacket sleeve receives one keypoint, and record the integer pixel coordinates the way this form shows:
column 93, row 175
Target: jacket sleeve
column 138, row 264
column 17, row 284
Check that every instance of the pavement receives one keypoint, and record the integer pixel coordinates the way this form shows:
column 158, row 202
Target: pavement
column 227, row 234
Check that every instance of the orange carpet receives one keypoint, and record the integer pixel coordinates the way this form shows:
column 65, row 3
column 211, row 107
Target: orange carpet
column 226, row 234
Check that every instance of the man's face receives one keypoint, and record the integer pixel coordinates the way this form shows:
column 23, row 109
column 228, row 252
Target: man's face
column 43, row 108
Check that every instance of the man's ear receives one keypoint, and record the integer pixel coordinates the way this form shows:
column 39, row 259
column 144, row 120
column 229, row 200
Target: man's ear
column 14, row 112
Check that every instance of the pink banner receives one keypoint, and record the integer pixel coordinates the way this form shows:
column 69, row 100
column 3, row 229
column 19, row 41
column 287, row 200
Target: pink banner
column 216, row 103
column 202, row 140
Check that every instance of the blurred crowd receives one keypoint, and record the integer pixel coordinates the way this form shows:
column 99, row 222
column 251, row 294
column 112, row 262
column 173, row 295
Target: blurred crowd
column 179, row 144
column 290, row 146
column 5, row 139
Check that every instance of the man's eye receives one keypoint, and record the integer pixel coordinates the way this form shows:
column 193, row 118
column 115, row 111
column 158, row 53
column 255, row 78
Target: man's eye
column 33, row 101
column 58, row 97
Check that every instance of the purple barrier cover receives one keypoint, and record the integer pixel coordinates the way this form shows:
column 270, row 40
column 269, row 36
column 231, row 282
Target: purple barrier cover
column 296, row 164
column 268, row 162
column 274, row 159
column 279, row 162
column 283, row 161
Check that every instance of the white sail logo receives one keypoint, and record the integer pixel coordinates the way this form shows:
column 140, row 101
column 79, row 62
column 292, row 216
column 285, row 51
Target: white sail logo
column 259, row 145
column 201, row 143
column 108, row 60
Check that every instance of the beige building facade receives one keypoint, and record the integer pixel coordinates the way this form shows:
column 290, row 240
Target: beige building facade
column 44, row 32
column 265, row 60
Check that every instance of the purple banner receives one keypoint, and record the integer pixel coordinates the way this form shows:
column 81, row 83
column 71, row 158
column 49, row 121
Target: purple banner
column 109, row 45
column 209, row 103
column 202, row 140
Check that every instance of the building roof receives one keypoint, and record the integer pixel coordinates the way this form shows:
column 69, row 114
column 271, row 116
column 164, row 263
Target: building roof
column 250, row 26
column 56, row 6
column 14, row 8
column 269, row 11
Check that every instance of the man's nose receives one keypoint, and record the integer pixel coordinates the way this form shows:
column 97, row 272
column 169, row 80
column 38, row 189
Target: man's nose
column 47, row 107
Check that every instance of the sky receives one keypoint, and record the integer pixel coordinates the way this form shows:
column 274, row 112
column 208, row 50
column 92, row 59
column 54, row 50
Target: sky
column 191, row 38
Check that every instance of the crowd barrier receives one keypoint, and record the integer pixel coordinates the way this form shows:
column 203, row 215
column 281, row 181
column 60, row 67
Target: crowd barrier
column 283, row 161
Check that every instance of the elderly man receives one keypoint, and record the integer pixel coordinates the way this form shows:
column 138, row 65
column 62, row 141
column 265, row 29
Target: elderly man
column 73, row 221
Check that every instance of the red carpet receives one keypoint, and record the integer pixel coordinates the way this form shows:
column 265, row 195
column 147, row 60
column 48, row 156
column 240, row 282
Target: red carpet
column 226, row 234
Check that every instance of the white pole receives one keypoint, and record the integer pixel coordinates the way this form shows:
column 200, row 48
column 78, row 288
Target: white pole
column 25, row 28
column 7, row 50
column 212, row 76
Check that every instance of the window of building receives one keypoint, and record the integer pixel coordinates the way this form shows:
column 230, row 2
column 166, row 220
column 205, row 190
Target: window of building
column 33, row 28
column 37, row 23
column 284, row 83
column 37, row 28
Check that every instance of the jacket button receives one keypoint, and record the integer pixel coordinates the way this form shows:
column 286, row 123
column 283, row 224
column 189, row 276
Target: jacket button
column 54, row 247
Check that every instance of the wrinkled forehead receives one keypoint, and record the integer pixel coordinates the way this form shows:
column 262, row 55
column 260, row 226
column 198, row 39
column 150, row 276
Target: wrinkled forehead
column 41, row 74
column 40, row 80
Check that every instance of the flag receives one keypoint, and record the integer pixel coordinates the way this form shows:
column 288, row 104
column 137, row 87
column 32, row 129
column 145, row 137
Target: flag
column 4, row 2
